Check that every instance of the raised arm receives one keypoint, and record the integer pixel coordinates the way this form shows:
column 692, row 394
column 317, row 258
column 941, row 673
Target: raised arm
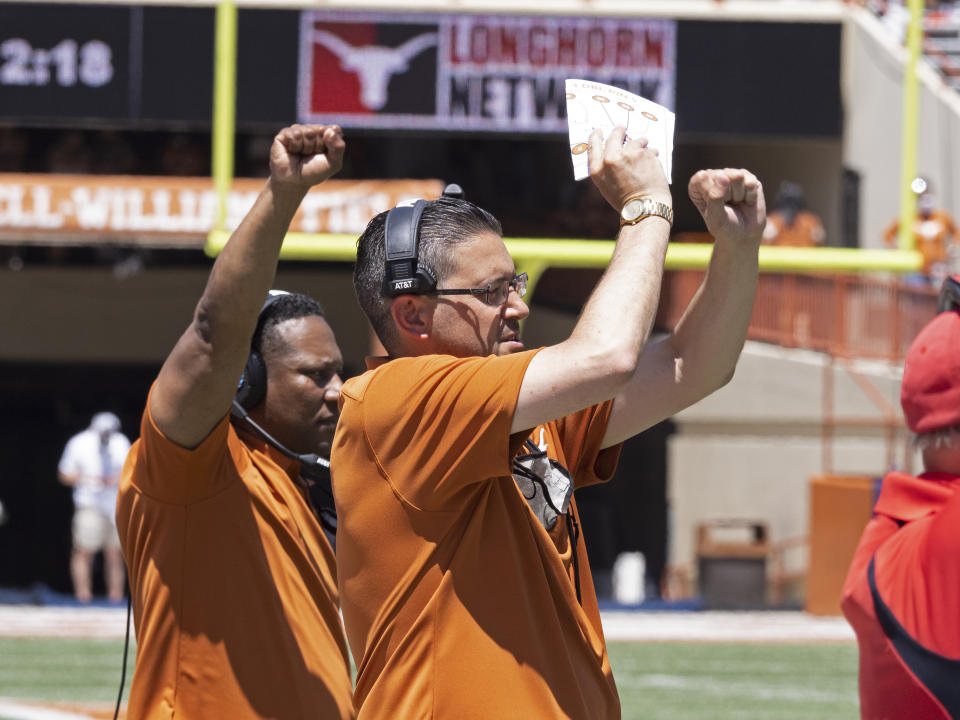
column 601, row 354
column 701, row 354
column 199, row 378
column 69, row 469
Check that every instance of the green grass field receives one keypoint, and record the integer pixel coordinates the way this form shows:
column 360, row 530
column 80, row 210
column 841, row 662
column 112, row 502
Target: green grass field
column 80, row 670
column 693, row 680
column 656, row 680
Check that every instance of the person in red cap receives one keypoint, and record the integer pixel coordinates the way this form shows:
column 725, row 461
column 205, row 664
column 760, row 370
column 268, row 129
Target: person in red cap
column 902, row 593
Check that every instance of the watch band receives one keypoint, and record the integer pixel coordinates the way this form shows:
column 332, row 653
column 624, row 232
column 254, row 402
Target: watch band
column 647, row 207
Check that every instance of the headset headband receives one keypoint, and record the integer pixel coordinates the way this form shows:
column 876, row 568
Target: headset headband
column 403, row 273
column 402, row 233
column 272, row 296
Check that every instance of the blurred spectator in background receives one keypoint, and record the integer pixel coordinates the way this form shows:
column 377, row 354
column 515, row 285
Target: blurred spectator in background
column 114, row 155
column 790, row 223
column 183, row 157
column 91, row 465
column 903, row 588
column 13, row 150
column 934, row 234
column 71, row 155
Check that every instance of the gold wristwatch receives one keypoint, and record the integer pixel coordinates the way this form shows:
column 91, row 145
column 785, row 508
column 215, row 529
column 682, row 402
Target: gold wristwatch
column 638, row 208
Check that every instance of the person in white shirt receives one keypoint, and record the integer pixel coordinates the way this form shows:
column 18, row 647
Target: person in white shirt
column 91, row 465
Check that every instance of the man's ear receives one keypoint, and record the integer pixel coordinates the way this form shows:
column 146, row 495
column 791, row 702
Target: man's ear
column 413, row 316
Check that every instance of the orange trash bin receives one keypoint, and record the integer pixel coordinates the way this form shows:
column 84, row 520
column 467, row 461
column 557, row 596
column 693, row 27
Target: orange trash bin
column 840, row 507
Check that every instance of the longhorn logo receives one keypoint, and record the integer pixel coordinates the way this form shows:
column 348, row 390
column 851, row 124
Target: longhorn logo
column 374, row 65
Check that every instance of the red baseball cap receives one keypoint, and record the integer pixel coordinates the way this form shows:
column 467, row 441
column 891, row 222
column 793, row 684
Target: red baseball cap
column 930, row 393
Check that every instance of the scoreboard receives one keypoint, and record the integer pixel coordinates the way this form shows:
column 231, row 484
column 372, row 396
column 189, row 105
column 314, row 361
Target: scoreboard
column 59, row 61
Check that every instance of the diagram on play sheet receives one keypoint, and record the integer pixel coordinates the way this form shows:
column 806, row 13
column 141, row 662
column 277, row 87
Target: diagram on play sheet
column 592, row 105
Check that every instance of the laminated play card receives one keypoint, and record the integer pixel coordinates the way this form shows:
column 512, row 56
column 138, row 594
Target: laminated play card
column 592, row 105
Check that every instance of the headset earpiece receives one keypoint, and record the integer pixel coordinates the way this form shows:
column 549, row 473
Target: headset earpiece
column 403, row 273
column 253, row 382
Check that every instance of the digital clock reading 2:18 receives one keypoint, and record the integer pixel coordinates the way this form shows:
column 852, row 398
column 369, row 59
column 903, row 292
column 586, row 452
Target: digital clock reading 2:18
column 66, row 63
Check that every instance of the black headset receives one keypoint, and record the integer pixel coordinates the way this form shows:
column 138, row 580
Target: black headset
column 250, row 391
column 403, row 273
column 253, row 382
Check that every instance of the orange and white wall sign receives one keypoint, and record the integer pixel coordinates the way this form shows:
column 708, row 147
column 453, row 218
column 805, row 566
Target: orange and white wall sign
column 135, row 205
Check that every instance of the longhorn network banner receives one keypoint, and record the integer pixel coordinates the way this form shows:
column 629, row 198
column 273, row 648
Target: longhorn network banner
column 501, row 73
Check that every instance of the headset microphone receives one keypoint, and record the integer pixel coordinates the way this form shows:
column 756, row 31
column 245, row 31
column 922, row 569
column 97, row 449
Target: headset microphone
column 312, row 467
column 310, row 463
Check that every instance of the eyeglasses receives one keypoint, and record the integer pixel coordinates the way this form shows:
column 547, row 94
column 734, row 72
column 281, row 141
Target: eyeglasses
column 493, row 294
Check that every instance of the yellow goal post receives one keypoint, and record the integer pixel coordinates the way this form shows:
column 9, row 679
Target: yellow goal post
column 534, row 255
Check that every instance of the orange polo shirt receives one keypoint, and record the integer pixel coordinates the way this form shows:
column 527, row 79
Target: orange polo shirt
column 233, row 584
column 806, row 230
column 458, row 603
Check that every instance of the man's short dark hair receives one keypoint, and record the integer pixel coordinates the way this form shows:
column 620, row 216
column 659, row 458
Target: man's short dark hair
column 445, row 223
column 286, row 307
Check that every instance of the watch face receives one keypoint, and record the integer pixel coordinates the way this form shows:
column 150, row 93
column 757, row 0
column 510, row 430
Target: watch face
column 632, row 210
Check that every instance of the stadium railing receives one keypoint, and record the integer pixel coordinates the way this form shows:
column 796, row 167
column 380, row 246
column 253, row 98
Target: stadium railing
column 846, row 316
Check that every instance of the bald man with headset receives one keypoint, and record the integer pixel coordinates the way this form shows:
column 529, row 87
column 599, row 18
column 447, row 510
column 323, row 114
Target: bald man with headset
column 227, row 527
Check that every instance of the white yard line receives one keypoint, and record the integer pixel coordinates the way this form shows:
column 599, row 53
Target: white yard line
column 731, row 688
column 13, row 710
column 731, row 627
column 618, row 625
column 39, row 621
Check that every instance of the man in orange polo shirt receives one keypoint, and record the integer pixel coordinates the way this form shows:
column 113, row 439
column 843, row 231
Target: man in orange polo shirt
column 934, row 233
column 789, row 222
column 464, row 579
column 902, row 592
column 233, row 581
